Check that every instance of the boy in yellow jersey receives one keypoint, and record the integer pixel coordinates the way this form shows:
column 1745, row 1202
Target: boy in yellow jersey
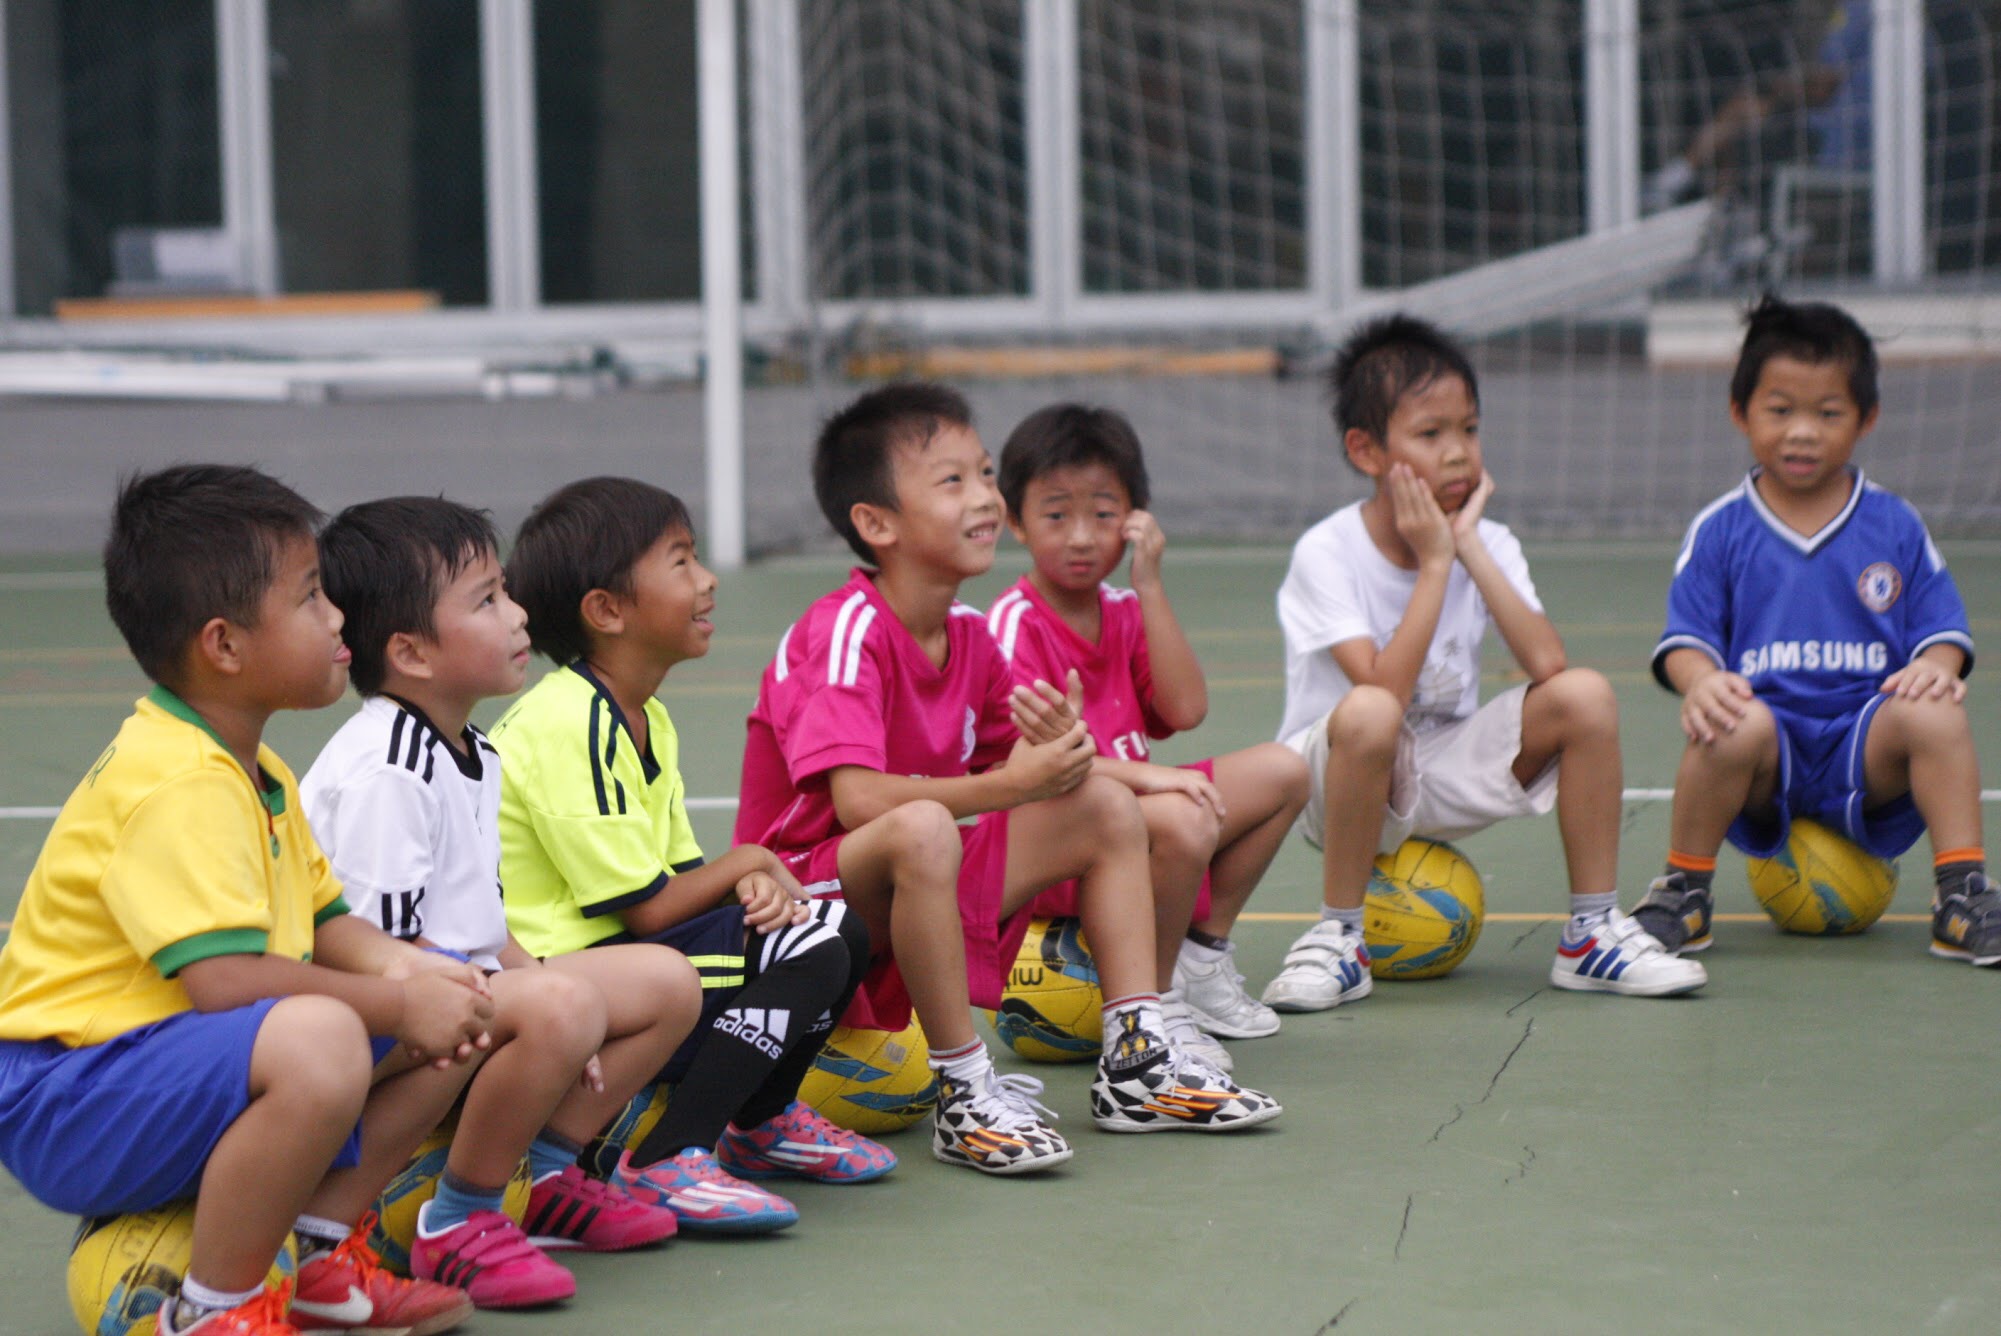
column 182, row 959
column 596, row 850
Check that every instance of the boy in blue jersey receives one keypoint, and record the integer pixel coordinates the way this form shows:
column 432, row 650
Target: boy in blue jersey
column 1820, row 648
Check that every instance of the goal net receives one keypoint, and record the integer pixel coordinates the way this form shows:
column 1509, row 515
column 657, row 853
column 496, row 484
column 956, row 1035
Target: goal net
column 1176, row 208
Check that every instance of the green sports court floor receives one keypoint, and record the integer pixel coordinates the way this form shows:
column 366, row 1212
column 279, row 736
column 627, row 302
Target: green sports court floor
column 1804, row 1146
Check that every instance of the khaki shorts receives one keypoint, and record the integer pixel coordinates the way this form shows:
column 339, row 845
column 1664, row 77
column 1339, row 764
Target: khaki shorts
column 1447, row 783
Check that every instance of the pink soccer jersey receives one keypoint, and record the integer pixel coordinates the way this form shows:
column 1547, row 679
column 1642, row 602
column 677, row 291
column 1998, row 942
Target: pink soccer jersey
column 850, row 686
column 1116, row 673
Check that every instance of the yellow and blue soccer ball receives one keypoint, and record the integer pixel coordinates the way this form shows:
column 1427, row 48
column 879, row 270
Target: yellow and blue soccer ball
column 641, row 1114
column 1422, row 912
column 873, row 1081
column 396, row 1210
column 123, row 1268
column 1052, row 1009
column 1822, row 885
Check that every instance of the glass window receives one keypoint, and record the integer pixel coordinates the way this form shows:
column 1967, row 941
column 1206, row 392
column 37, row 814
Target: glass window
column 112, row 109
column 618, row 150
column 378, row 164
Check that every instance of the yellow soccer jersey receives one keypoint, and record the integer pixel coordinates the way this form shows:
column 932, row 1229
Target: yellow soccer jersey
column 165, row 854
column 589, row 825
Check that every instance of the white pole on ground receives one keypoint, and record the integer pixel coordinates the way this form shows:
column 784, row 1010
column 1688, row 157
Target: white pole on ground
column 1897, row 140
column 243, row 99
column 507, row 119
column 1612, row 112
column 722, row 282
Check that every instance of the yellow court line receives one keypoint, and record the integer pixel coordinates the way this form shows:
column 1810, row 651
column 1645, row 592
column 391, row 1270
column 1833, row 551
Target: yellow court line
column 1558, row 918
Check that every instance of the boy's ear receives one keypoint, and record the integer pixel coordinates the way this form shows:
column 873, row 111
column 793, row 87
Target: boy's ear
column 875, row 524
column 406, row 655
column 1868, row 422
column 1742, row 422
column 1365, row 452
column 603, row 612
column 216, row 645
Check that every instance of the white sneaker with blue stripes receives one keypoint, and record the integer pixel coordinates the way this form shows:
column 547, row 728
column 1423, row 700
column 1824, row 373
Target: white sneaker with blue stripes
column 1614, row 954
column 1327, row 966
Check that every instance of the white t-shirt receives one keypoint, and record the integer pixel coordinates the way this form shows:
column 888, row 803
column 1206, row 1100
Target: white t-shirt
column 1341, row 587
column 412, row 827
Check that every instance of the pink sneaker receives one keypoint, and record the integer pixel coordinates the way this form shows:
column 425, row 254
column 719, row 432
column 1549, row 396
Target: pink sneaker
column 492, row 1260
column 705, row 1199
column 574, row 1210
column 802, row 1144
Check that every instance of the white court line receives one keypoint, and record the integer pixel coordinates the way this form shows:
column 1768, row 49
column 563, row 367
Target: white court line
column 730, row 804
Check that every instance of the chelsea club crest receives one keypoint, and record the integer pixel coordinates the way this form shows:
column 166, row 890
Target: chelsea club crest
column 1878, row 586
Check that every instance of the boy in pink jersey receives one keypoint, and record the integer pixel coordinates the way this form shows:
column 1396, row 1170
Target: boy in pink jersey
column 1076, row 490
column 888, row 715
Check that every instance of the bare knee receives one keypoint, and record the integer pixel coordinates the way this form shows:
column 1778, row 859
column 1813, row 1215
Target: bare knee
column 1753, row 743
column 1108, row 810
column 921, row 832
column 1579, row 701
column 313, row 1052
column 1365, row 724
column 557, row 1012
column 1288, row 772
column 1926, row 724
column 1181, row 829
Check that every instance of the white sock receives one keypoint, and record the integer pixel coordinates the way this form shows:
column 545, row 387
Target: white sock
column 1146, row 1008
column 1351, row 919
column 1200, row 954
column 966, row 1065
column 198, row 1300
column 1588, row 909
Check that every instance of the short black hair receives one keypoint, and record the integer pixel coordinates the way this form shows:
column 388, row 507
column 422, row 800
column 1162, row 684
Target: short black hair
column 1065, row 436
column 1383, row 360
column 851, row 458
column 588, row 535
column 191, row 543
column 386, row 563
column 1812, row 332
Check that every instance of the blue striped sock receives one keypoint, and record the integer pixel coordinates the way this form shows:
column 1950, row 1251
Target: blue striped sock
column 550, row 1154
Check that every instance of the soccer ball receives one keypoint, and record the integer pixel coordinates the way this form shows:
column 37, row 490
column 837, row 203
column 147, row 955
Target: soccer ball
column 123, row 1268
column 641, row 1114
column 1822, row 885
column 872, row 1081
column 1423, row 911
column 1051, row 1009
column 396, row 1210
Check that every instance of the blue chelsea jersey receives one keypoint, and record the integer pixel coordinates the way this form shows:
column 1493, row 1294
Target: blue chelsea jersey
column 1815, row 622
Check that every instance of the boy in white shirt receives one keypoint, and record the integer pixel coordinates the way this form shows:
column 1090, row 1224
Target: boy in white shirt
column 1384, row 608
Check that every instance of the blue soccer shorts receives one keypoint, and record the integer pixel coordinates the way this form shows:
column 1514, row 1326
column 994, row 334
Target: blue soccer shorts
column 1821, row 779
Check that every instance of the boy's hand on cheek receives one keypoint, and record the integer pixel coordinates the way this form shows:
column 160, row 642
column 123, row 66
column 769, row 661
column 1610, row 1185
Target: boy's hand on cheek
column 1419, row 521
column 1466, row 524
column 1148, row 543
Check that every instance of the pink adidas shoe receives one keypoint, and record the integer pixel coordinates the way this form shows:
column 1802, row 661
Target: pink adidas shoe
column 573, row 1210
column 799, row 1143
column 707, row 1200
column 489, row 1258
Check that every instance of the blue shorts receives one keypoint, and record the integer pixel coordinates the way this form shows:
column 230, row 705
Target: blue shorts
column 1821, row 778
column 129, row 1124
column 714, row 945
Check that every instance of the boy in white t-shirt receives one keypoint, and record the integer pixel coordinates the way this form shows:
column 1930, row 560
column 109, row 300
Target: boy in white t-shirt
column 1384, row 608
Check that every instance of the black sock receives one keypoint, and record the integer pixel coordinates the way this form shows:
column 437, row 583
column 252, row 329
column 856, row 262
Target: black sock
column 1951, row 877
column 796, row 975
column 1208, row 939
column 782, row 1086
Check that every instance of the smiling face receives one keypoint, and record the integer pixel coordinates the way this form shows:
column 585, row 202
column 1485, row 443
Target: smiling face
column 479, row 641
column 1435, row 429
column 948, row 510
column 294, row 655
column 673, row 597
column 1802, row 422
column 1072, row 521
